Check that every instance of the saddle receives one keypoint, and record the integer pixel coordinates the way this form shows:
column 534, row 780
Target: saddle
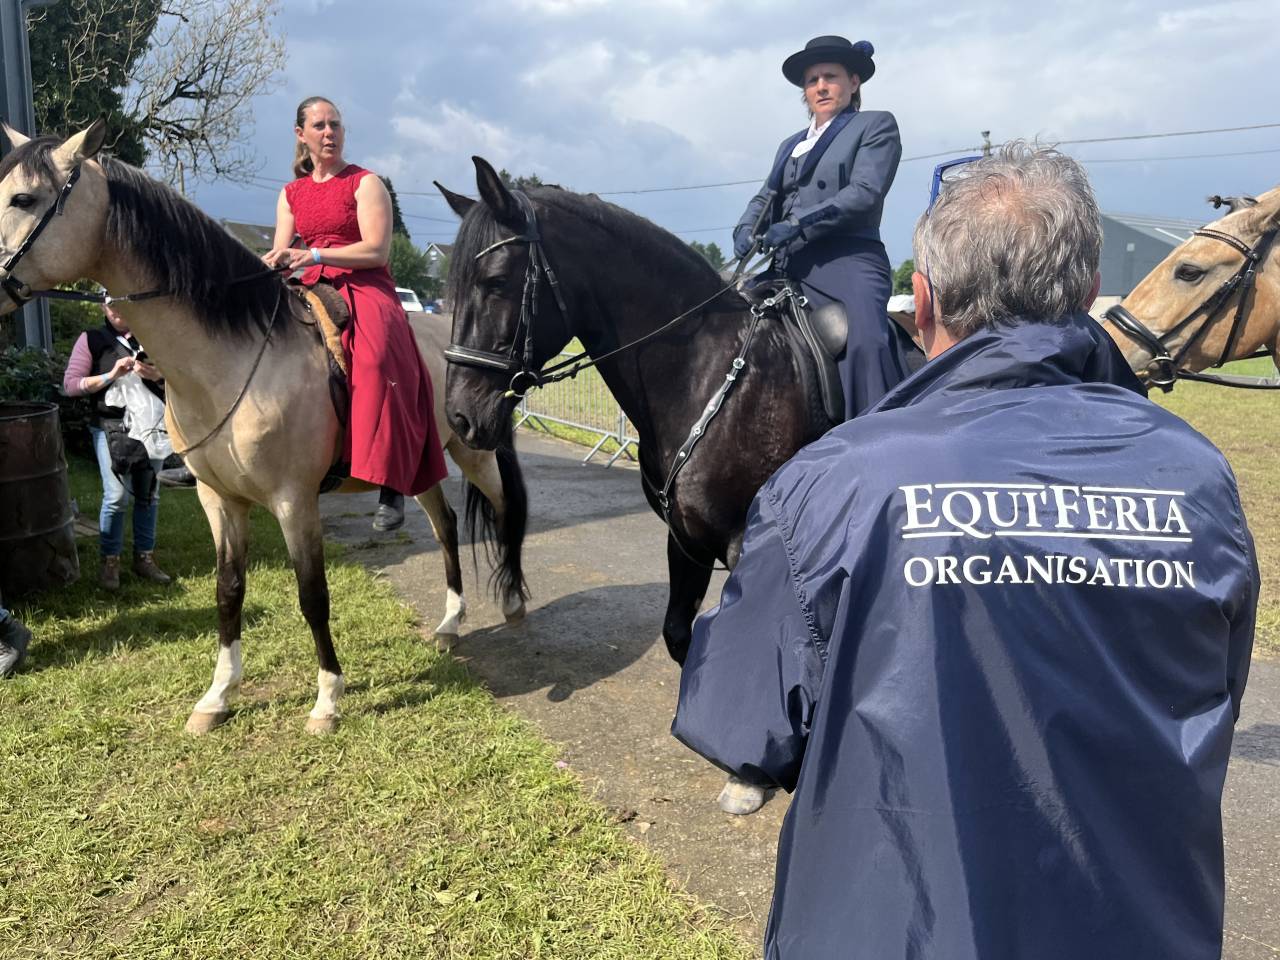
column 329, row 317
column 817, row 337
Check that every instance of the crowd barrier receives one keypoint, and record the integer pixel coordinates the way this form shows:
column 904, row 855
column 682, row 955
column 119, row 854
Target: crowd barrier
column 584, row 404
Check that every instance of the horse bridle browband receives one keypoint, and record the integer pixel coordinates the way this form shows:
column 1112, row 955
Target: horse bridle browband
column 1164, row 370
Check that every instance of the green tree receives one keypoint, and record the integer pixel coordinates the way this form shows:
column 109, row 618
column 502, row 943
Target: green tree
column 711, row 252
column 902, row 276
column 397, row 220
column 409, row 265
column 174, row 80
column 520, row 183
column 82, row 54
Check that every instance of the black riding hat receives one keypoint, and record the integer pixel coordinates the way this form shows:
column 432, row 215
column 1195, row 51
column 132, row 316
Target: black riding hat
column 855, row 56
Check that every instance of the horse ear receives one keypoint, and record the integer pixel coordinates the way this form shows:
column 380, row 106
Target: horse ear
column 495, row 193
column 81, row 146
column 457, row 202
column 15, row 137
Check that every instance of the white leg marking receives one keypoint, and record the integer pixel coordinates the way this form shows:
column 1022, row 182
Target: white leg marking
column 455, row 611
column 331, row 686
column 226, row 681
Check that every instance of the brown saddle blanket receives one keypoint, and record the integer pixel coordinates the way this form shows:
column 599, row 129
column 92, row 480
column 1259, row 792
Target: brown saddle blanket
column 330, row 315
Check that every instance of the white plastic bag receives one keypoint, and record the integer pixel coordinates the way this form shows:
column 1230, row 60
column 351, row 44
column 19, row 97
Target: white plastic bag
column 143, row 414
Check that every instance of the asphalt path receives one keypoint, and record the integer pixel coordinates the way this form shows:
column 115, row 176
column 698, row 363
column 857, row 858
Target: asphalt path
column 589, row 669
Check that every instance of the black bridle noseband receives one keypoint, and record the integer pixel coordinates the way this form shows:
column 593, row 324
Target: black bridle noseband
column 1164, row 370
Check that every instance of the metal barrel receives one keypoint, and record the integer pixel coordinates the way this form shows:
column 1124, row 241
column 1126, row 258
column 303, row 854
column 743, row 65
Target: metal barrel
column 37, row 535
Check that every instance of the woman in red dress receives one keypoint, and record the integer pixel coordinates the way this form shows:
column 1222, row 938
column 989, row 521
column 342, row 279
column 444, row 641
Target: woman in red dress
column 343, row 214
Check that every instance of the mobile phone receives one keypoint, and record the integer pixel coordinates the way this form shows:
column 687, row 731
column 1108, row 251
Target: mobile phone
column 141, row 357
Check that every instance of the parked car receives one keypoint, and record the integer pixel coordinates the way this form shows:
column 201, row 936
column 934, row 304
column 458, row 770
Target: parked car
column 409, row 300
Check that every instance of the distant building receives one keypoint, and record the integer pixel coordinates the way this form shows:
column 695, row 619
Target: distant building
column 255, row 236
column 437, row 258
column 1132, row 246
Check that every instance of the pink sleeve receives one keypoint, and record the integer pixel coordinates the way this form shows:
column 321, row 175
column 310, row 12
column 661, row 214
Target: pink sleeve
column 78, row 367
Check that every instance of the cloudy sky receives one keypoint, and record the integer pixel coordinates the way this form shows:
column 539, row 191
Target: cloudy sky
column 604, row 96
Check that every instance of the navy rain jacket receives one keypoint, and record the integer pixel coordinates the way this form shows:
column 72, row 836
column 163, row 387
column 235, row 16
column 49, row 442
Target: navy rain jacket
column 993, row 634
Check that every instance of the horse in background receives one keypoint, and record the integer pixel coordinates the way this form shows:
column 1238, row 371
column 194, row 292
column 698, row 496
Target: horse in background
column 1215, row 298
column 247, row 380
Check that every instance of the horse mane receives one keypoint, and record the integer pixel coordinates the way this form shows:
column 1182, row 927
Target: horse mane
column 188, row 253
column 647, row 247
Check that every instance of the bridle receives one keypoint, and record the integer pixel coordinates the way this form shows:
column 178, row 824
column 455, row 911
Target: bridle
column 1164, row 370
column 20, row 292
column 525, row 375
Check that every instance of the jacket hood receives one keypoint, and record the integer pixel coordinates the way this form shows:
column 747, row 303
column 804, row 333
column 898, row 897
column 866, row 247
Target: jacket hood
column 1021, row 353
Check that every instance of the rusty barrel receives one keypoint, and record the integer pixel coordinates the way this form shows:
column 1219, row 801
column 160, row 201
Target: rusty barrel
column 37, row 535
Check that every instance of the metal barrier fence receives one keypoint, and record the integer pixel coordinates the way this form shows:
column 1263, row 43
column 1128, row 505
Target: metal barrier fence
column 583, row 403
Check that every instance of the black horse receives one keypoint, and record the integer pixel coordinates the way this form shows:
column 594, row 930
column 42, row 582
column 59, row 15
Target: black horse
column 615, row 278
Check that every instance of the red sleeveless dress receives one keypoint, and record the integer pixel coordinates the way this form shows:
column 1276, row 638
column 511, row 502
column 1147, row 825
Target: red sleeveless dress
column 391, row 438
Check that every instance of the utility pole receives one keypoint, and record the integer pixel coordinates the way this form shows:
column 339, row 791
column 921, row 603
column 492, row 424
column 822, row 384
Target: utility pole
column 16, row 102
column 986, row 143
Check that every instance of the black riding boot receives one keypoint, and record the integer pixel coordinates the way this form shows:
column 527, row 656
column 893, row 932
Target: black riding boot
column 390, row 515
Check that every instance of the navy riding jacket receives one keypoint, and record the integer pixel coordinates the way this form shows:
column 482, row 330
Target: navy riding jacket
column 993, row 634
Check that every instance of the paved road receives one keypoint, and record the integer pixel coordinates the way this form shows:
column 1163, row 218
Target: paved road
column 589, row 669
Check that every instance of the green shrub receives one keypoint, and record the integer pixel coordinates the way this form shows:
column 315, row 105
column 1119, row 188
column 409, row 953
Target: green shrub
column 29, row 374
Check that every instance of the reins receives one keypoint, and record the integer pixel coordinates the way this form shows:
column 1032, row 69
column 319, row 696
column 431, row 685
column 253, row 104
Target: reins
column 1164, row 370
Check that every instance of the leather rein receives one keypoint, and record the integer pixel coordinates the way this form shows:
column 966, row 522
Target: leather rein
column 1164, row 369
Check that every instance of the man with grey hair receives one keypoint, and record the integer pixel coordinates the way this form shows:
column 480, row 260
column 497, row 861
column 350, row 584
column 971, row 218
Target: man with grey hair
column 993, row 633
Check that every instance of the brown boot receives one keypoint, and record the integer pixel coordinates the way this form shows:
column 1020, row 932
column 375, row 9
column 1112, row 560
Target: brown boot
column 109, row 579
column 144, row 566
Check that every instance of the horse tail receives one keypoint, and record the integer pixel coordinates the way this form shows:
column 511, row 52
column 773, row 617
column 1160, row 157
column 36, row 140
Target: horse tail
column 503, row 537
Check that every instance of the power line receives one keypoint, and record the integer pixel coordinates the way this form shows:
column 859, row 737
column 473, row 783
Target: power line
column 1186, row 156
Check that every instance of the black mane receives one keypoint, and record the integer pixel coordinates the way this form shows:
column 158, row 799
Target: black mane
column 188, row 253
column 644, row 245
column 180, row 248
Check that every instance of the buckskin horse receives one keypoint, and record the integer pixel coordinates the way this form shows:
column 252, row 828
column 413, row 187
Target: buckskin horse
column 530, row 272
column 247, row 380
column 1214, row 299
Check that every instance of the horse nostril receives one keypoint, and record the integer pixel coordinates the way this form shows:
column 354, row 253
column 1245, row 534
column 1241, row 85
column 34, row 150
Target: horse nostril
column 461, row 425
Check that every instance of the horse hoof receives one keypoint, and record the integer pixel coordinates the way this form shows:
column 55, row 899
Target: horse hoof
column 444, row 641
column 516, row 616
column 200, row 723
column 740, row 798
column 322, row 726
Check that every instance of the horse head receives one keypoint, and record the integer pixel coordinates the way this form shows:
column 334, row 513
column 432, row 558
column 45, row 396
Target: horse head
column 1188, row 301
column 506, row 318
column 53, row 196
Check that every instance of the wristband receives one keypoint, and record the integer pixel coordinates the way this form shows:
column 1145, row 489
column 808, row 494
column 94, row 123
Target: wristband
column 315, row 254
column 107, row 377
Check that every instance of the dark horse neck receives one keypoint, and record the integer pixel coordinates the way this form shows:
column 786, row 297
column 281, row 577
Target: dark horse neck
column 663, row 384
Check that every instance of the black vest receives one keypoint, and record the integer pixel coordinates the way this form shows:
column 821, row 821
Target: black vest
column 104, row 350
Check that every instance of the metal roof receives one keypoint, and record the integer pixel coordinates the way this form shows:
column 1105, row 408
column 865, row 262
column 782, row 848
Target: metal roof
column 1167, row 230
column 256, row 236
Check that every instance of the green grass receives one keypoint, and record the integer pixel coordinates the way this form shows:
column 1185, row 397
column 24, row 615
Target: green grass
column 433, row 824
column 1243, row 425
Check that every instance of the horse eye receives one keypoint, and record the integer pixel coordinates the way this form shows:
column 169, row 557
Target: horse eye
column 22, row 201
column 1188, row 273
column 494, row 283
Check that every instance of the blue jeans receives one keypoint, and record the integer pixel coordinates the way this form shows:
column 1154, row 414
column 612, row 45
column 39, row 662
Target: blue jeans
column 115, row 496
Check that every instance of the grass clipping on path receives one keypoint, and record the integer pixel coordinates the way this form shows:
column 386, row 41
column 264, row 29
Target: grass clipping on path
column 434, row 824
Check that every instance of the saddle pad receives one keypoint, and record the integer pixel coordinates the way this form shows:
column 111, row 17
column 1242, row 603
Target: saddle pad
column 331, row 315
